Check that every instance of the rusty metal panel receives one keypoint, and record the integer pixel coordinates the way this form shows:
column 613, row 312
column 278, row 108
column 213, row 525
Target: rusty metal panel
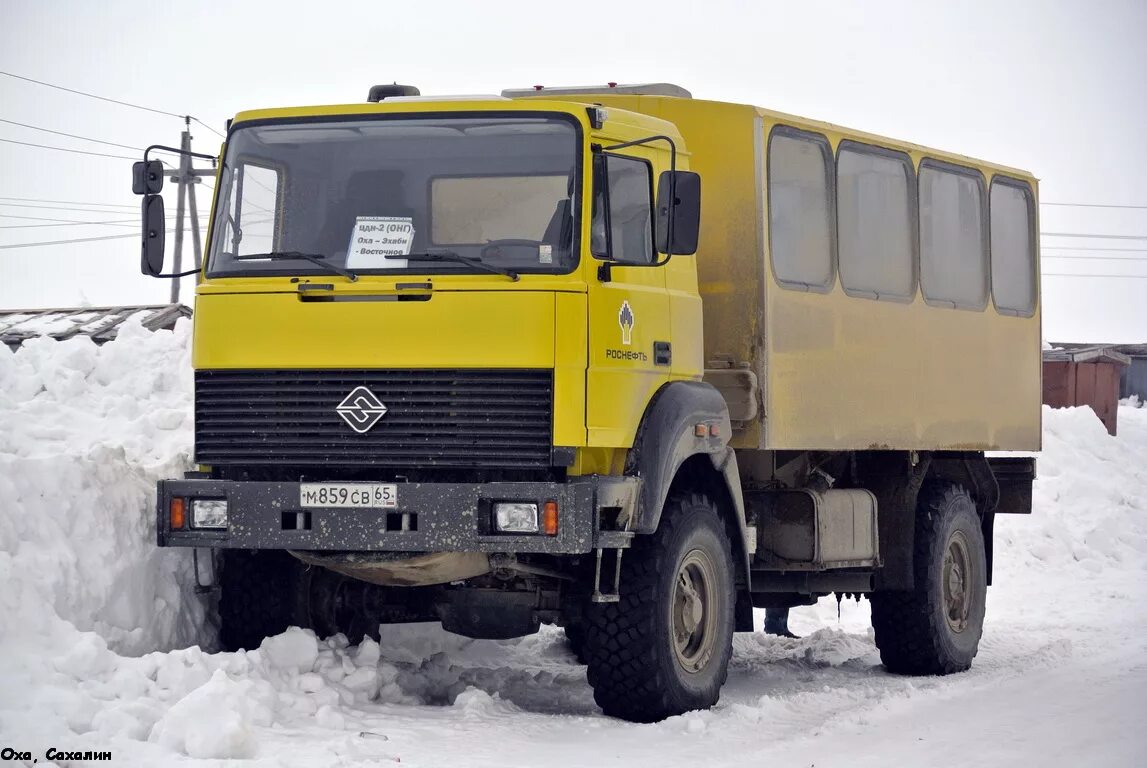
column 1068, row 384
column 1058, row 384
column 1105, row 397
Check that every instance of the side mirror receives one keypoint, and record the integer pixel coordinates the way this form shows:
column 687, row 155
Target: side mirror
column 154, row 235
column 679, row 191
column 147, row 177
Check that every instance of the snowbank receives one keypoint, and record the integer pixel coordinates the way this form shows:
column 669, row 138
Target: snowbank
column 85, row 432
column 90, row 610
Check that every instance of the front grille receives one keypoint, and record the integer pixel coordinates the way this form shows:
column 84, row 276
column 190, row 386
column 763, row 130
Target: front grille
column 434, row 418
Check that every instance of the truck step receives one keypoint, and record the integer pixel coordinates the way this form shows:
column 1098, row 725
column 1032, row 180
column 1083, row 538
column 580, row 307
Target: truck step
column 614, row 539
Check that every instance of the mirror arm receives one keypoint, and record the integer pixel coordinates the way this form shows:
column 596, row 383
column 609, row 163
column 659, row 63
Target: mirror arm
column 177, row 151
column 188, row 153
column 672, row 184
column 180, row 274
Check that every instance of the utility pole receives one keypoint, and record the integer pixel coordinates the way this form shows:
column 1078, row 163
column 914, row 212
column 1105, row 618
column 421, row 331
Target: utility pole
column 186, row 177
column 181, row 201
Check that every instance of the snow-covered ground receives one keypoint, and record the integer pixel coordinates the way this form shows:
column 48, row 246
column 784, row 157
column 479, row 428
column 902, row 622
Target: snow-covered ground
column 91, row 610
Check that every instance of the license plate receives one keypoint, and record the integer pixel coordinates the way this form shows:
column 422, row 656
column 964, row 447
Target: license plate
column 349, row 495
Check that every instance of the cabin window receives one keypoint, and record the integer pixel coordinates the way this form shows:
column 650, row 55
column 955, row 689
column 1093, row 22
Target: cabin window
column 250, row 223
column 1012, row 223
column 622, row 223
column 953, row 236
column 876, row 222
column 800, row 209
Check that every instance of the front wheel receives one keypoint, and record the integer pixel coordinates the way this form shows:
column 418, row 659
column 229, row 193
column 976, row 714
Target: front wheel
column 260, row 596
column 664, row 648
column 935, row 628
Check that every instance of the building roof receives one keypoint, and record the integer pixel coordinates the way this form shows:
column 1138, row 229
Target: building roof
column 1132, row 350
column 1084, row 353
column 100, row 323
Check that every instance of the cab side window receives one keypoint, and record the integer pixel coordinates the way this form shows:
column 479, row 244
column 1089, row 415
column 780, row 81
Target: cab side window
column 250, row 225
column 622, row 224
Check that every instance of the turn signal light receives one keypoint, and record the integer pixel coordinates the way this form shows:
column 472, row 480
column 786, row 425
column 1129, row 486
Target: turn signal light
column 550, row 518
column 178, row 513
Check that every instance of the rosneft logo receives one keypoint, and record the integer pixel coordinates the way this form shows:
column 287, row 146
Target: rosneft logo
column 361, row 409
column 626, row 320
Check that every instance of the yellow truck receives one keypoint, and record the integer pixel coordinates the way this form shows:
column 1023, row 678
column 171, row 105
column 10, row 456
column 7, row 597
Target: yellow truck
column 611, row 358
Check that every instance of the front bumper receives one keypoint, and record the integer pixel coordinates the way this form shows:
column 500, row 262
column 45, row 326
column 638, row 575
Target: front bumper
column 431, row 517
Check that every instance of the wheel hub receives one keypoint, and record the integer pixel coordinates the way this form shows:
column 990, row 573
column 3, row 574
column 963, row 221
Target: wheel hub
column 955, row 578
column 693, row 609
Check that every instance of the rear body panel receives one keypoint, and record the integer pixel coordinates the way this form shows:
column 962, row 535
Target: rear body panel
column 840, row 372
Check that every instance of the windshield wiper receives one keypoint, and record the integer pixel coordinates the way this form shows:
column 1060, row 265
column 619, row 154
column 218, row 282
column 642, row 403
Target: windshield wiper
column 314, row 258
column 452, row 256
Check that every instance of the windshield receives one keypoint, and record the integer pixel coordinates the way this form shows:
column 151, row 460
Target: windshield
column 373, row 195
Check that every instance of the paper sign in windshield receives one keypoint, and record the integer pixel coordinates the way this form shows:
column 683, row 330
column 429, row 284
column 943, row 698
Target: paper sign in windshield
column 377, row 239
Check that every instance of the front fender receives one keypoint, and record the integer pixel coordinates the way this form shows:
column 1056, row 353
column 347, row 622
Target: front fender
column 667, row 437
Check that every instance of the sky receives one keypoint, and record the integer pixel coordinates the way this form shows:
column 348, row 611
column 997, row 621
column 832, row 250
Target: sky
column 1053, row 87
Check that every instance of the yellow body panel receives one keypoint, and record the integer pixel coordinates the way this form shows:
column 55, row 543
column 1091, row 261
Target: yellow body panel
column 453, row 329
column 622, row 376
column 837, row 372
column 488, row 328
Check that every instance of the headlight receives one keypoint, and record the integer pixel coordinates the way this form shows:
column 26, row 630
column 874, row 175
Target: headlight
column 209, row 513
column 515, row 517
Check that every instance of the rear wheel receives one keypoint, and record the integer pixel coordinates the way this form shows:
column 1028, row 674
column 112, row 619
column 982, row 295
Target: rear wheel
column 935, row 629
column 664, row 648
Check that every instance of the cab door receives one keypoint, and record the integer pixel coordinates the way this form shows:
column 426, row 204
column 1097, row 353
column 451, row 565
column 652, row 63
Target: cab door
column 629, row 316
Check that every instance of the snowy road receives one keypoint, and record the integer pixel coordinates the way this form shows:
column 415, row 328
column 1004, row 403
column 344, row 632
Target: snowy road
column 90, row 610
column 1052, row 690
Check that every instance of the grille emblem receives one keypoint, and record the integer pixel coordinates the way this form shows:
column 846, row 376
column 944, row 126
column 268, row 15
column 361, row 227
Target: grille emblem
column 361, row 409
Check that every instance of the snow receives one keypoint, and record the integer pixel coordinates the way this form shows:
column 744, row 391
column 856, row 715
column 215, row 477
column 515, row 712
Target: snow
column 103, row 638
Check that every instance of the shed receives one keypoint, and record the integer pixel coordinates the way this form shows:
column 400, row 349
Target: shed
column 1133, row 380
column 1086, row 375
column 100, row 323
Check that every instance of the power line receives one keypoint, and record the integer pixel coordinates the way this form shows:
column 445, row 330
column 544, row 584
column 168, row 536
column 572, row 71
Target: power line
column 89, row 239
column 1081, row 274
column 76, row 240
column 1095, row 205
column 56, row 208
column 208, row 127
column 93, row 96
column 117, row 223
column 41, row 218
column 1075, row 248
column 1101, row 237
column 70, row 135
column 67, row 221
column 65, row 149
column 66, row 202
column 1142, row 259
column 114, row 101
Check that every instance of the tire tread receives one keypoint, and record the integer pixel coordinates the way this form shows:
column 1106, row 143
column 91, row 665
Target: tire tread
column 258, row 597
column 625, row 666
column 909, row 631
